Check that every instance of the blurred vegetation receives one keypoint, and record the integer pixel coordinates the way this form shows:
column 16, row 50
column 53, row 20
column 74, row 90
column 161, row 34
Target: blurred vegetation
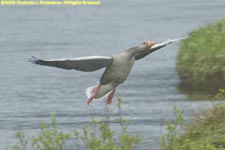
column 97, row 136
column 201, row 59
column 205, row 132
column 220, row 94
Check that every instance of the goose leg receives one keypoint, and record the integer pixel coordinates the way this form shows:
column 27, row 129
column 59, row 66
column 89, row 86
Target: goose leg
column 110, row 97
column 94, row 92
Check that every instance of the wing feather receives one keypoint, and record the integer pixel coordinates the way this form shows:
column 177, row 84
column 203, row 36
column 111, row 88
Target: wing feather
column 86, row 64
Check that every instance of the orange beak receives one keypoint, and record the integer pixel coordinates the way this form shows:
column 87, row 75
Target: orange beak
column 149, row 43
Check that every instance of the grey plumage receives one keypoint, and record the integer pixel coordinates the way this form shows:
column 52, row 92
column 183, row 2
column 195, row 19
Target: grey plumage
column 86, row 64
column 117, row 66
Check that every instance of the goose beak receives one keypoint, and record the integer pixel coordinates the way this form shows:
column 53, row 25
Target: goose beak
column 149, row 43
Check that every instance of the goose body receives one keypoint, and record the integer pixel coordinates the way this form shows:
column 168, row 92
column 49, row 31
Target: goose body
column 117, row 67
column 116, row 73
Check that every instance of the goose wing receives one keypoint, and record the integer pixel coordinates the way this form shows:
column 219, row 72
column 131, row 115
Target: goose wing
column 156, row 47
column 86, row 64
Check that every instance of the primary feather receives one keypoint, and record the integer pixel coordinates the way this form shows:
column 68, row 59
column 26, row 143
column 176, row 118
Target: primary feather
column 86, row 64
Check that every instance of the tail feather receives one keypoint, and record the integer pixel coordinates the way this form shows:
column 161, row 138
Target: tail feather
column 90, row 91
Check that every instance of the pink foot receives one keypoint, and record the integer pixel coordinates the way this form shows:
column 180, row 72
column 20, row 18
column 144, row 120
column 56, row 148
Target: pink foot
column 110, row 97
column 94, row 92
column 89, row 100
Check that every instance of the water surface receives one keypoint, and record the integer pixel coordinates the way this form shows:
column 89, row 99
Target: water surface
column 29, row 93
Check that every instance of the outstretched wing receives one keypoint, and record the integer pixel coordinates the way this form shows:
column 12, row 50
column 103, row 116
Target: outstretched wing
column 156, row 47
column 86, row 64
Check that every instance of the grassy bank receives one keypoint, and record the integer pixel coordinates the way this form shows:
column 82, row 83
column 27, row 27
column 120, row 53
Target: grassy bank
column 205, row 132
column 201, row 59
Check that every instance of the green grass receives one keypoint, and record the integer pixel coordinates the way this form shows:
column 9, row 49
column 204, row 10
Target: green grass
column 96, row 136
column 201, row 59
column 205, row 132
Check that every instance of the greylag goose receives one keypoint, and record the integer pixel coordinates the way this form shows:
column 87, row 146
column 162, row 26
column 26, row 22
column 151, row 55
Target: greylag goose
column 117, row 67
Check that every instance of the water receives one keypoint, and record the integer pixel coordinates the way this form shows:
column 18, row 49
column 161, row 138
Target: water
column 29, row 93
